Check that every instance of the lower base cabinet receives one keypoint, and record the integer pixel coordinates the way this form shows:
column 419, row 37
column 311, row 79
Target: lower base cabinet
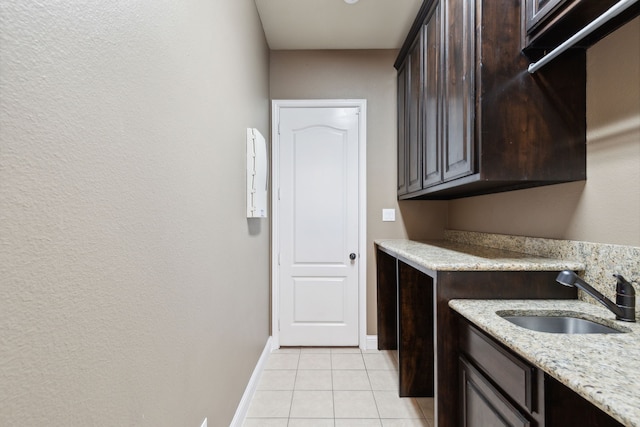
column 482, row 404
column 498, row 388
column 414, row 318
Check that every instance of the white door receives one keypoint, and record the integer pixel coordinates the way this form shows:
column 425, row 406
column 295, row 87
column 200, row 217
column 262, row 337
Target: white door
column 318, row 226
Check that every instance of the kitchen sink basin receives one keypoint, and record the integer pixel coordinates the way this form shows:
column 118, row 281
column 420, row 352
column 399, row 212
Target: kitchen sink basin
column 560, row 324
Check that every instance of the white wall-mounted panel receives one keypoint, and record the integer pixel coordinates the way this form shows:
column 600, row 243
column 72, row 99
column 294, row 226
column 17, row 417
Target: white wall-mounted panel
column 257, row 171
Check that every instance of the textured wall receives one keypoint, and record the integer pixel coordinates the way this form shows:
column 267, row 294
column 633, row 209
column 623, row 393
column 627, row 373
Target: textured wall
column 133, row 290
column 605, row 208
column 369, row 75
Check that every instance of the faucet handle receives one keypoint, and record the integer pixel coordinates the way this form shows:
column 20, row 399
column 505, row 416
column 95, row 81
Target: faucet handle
column 623, row 286
column 625, row 296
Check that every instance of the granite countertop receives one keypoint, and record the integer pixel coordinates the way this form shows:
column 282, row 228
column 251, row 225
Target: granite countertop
column 444, row 255
column 603, row 368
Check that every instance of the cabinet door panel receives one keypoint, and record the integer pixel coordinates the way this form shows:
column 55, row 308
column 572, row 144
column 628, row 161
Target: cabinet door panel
column 415, row 332
column 402, row 130
column 387, row 298
column 432, row 102
column 565, row 407
column 459, row 68
column 483, row 405
column 510, row 373
column 414, row 140
column 536, row 10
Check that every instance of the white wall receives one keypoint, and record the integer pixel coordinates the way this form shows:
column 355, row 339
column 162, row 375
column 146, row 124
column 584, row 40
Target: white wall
column 133, row 290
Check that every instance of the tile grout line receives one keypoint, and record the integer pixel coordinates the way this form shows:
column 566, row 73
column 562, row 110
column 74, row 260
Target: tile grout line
column 333, row 394
column 293, row 391
column 373, row 395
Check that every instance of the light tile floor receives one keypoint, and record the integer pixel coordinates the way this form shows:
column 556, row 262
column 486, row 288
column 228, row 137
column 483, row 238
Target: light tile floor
column 334, row 387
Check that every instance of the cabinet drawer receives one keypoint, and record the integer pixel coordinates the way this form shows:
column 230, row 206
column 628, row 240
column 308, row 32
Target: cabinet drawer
column 482, row 404
column 514, row 376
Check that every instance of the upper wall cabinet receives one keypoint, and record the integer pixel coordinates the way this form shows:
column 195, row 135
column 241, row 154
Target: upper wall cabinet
column 471, row 120
column 418, row 111
column 548, row 23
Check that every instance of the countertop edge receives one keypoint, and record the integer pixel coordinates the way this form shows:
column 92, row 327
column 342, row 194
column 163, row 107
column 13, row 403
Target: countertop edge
column 442, row 255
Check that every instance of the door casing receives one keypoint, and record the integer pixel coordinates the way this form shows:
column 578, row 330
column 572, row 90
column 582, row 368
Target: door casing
column 362, row 208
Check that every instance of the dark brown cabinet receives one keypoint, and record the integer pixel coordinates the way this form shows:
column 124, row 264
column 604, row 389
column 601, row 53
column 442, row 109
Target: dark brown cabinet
column 387, row 295
column 414, row 124
column 498, row 388
column 415, row 332
column 458, row 83
column 410, row 79
column 482, row 404
column 548, row 23
column 537, row 12
column 495, row 385
column 402, row 129
column 431, row 136
column 414, row 317
column 484, row 124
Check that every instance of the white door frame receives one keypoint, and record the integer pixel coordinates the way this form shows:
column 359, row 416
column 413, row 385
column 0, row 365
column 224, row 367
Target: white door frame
column 362, row 208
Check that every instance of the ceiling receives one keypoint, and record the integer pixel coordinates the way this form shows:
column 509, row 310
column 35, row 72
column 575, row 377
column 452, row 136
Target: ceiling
column 334, row 24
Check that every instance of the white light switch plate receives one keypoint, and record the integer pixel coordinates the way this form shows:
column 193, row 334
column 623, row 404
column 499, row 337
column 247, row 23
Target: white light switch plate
column 388, row 214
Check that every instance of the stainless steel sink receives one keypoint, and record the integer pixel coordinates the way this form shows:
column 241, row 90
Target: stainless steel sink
column 560, row 324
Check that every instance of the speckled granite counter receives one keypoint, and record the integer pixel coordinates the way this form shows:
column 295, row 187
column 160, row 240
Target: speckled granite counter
column 443, row 255
column 603, row 368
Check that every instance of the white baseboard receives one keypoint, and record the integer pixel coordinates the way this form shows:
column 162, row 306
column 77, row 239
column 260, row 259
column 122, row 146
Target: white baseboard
column 372, row 342
column 243, row 406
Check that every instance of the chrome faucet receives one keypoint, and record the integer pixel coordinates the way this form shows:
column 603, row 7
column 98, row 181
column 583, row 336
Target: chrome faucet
column 625, row 307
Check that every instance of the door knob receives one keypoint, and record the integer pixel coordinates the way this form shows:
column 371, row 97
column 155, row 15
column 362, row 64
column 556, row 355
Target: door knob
column 352, row 256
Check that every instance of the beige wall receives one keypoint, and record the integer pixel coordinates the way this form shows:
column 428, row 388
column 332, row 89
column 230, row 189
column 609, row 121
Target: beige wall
column 369, row 75
column 133, row 290
column 605, row 208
